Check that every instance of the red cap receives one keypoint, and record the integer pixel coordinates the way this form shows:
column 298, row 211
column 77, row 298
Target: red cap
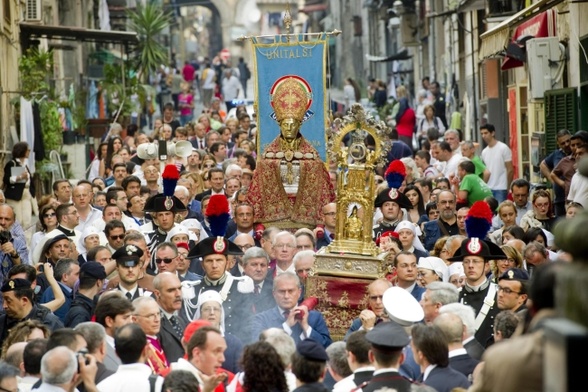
column 183, row 245
column 193, row 327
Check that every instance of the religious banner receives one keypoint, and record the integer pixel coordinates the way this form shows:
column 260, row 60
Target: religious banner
column 287, row 58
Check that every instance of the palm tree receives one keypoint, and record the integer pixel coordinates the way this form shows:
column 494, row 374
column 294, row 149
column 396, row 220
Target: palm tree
column 149, row 21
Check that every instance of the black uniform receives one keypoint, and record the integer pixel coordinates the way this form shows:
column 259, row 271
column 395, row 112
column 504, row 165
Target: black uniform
column 476, row 300
column 38, row 312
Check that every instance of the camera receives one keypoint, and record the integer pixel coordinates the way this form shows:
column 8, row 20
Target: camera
column 83, row 352
column 5, row 237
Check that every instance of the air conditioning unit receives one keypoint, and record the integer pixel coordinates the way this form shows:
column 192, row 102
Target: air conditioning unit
column 33, row 10
column 545, row 59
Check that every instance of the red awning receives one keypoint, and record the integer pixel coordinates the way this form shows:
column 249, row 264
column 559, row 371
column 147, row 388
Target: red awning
column 540, row 26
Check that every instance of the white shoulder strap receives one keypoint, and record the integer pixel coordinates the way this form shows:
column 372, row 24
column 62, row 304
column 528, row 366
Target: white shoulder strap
column 226, row 287
column 488, row 303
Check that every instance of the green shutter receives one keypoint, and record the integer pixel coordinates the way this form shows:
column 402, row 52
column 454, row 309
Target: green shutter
column 561, row 112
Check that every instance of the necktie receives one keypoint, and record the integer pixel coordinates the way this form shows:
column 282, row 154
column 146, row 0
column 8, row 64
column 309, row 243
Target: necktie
column 129, row 296
column 332, row 236
column 176, row 326
column 256, row 289
column 286, row 314
column 201, row 144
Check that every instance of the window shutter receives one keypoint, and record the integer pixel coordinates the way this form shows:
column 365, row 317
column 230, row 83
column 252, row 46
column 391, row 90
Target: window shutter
column 561, row 112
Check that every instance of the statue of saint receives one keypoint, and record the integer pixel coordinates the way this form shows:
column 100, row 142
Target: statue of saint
column 354, row 227
column 291, row 183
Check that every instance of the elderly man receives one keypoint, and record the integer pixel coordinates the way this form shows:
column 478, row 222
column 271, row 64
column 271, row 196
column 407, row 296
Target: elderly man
column 256, row 266
column 147, row 315
column 13, row 247
column 166, row 258
column 468, row 318
column 245, row 242
column 535, row 254
column 168, row 293
column 454, row 331
column 284, row 246
column 298, row 321
column 375, row 313
column 63, row 370
column 236, row 292
column 437, row 295
column 95, row 337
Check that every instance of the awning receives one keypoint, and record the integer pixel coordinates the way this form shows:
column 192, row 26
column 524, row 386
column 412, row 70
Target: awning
column 494, row 41
column 542, row 25
column 402, row 55
column 29, row 32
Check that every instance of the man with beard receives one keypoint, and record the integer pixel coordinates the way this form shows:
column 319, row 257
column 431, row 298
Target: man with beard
column 446, row 225
column 563, row 139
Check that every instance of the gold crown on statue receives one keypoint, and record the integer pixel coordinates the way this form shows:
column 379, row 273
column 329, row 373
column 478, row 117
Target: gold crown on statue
column 290, row 98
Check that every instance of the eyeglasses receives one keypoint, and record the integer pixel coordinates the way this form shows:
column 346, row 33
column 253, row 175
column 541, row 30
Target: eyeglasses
column 283, row 246
column 542, row 205
column 117, row 237
column 152, row 316
column 210, row 309
column 507, row 291
column 49, row 215
column 166, row 261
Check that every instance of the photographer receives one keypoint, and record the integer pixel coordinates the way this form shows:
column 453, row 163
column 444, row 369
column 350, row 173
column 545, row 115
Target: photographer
column 13, row 247
column 63, row 370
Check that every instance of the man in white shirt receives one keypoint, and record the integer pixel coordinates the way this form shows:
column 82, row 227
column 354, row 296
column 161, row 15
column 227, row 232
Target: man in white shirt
column 82, row 201
column 497, row 157
column 358, row 349
column 284, row 246
column 133, row 374
column 230, row 87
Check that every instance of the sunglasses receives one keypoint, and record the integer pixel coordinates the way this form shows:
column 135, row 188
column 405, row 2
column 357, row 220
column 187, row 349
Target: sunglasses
column 117, row 237
column 166, row 261
column 49, row 215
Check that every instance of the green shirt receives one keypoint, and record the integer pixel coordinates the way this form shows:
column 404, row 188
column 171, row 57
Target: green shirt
column 477, row 189
column 480, row 167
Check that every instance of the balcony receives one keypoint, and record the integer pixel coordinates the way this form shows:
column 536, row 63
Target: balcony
column 500, row 9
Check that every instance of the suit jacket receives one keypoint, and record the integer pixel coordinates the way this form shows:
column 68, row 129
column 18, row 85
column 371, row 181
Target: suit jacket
column 170, row 342
column 111, row 360
column 445, row 379
column 199, row 196
column 474, row 349
column 273, row 318
column 388, row 379
column 265, row 299
column 418, row 292
column 190, row 276
column 464, row 364
column 311, row 387
column 322, row 242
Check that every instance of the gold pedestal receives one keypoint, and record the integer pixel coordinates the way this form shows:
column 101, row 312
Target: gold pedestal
column 354, row 247
column 347, row 265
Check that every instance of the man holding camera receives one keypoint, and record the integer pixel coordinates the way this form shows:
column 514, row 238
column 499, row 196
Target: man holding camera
column 13, row 247
column 298, row 321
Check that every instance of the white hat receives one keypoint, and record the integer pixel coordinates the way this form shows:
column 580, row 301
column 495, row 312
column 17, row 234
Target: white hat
column 436, row 265
column 456, row 268
column 194, row 224
column 207, row 296
column 88, row 231
column 179, row 229
column 402, row 307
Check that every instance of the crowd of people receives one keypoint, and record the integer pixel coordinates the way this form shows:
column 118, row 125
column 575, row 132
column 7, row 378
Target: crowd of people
column 127, row 284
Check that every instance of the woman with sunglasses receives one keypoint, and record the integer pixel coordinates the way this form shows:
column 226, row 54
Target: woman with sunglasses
column 47, row 222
